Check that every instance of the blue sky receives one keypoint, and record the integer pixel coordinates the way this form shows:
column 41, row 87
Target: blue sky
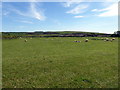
column 60, row 16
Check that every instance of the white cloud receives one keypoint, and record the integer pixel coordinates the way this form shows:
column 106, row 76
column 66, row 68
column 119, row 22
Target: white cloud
column 98, row 10
column 5, row 13
column 78, row 9
column 94, row 10
column 67, row 4
column 79, row 16
column 109, row 11
column 32, row 12
column 38, row 15
column 110, row 0
column 71, row 2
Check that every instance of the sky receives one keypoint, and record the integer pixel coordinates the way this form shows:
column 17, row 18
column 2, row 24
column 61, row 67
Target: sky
column 99, row 17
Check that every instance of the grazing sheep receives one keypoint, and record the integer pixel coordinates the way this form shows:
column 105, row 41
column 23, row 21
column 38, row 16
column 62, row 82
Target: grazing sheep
column 86, row 40
column 107, row 39
column 77, row 41
column 113, row 38
column 25, row 40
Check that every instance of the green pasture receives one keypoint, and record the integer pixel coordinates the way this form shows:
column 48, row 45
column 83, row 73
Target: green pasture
column 58, row 62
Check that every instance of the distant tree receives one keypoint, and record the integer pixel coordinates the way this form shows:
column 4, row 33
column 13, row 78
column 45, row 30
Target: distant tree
column 118, row 32
column 115, row 32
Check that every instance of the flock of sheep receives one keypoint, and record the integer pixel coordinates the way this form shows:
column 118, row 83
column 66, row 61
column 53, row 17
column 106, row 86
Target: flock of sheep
column 110, row 39
column 106, row 39
column 86, row 40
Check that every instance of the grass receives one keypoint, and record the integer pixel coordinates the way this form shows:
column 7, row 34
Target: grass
column 60, row 63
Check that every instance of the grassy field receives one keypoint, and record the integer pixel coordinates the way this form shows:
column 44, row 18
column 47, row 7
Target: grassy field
column 60, row 63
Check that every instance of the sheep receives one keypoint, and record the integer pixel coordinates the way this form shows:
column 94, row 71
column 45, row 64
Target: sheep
column 77, row 41
column 86, row 40
column 20, row 37
column 106, row 39
column 25, row 40
column 113, row 38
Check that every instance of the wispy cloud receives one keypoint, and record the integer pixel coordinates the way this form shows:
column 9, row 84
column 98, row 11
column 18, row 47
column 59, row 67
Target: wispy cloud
column 69, row 3
column 33, row 12
column 5, row 13
column 98, row 10
column 78, row 9
column 94, row 10
column 79, row 16
column 112, row 10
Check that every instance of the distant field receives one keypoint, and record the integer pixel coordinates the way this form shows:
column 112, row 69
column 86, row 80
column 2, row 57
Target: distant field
column 60, row 63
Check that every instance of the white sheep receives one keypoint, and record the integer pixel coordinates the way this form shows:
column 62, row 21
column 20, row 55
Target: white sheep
column 107, row 39
column 86, row 40
column 113, row 38
column 102, row 39
column 25, row 40
column 76, row 41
